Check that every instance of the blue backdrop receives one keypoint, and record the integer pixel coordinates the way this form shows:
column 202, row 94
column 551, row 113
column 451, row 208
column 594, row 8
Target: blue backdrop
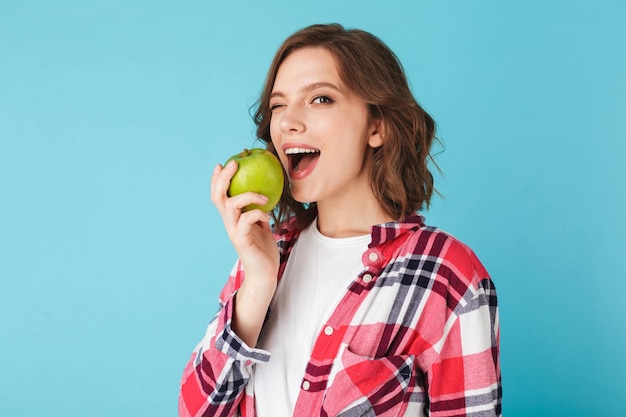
column 113, row 114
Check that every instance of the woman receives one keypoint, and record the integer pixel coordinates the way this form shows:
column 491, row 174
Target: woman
column 350, row 305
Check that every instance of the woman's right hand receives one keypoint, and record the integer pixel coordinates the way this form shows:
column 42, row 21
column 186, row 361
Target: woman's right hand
column 252, row 238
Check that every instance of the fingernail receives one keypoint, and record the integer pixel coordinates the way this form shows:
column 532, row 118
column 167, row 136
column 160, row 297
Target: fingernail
column 230, row 163
column 263, row 197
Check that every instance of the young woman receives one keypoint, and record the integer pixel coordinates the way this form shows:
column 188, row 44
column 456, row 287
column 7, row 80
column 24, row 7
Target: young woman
column 349, row 305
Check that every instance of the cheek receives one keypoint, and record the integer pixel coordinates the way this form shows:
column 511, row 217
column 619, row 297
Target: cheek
column 275, row 135
column 275, row 141
column 274, row 130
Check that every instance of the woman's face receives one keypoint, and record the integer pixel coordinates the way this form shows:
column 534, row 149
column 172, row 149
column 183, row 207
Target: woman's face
column 321, row 130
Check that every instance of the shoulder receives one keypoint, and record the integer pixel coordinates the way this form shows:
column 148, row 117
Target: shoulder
column 286, row 235
column 451, row 257
column 448, row 268
column 285, row 228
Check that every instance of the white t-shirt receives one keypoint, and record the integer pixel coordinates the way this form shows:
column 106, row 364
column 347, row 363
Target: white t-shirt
column 316, row 276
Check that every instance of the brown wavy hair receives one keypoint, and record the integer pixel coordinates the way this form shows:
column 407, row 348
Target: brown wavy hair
column 400, row 178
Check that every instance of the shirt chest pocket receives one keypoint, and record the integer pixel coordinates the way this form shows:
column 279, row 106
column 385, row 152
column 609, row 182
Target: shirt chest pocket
column 362, row 386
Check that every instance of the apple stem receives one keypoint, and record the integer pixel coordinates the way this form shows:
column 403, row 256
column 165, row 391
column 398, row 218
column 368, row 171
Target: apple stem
column 246, row 152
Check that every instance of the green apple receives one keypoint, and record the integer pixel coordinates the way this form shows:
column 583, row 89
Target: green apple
column 258, row 171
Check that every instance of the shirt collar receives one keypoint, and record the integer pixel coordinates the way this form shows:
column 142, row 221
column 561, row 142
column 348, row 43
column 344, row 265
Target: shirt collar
column 382, row 233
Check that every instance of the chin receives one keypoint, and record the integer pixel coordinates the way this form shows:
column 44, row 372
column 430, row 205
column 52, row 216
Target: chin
column 302, row 197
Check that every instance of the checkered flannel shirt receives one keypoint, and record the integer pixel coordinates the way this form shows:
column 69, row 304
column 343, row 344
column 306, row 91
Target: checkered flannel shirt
column 415, row 334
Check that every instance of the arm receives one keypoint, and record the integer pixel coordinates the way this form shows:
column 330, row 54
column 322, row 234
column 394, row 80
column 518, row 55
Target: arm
column 252, row 238
column 464, row 378
column 215, row 377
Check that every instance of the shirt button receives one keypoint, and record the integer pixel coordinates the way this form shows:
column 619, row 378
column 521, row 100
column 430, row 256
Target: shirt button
column 306, row 385
column 373, row 256
column 367, row 278
column 328, row 330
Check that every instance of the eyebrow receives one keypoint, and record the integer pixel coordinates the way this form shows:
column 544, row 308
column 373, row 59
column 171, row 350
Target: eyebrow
column 309, row 87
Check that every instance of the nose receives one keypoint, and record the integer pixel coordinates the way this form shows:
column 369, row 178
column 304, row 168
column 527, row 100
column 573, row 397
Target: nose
column 292, row 120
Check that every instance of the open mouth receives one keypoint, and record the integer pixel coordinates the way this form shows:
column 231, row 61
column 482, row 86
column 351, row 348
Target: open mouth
column 301, row 160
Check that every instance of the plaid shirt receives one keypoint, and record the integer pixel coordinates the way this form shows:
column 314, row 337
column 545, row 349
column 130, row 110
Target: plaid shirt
column 415, row 334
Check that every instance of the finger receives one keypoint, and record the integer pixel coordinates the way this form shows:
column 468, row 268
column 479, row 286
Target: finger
column 222, row 177
column 257, row 216
column 218, row 168
column 216, row 171
column 220, row 182
column 249, row 220
column 233, row 207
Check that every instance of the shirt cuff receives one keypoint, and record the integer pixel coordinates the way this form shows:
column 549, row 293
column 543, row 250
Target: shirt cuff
column 229, row 343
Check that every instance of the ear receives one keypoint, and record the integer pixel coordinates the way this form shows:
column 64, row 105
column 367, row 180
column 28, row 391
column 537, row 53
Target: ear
column 377, row 134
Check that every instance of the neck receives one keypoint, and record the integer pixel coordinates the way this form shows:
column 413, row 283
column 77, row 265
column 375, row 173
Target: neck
column 348, row 218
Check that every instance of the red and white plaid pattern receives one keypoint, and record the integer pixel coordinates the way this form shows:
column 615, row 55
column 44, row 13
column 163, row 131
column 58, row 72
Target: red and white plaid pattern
column 416, row 334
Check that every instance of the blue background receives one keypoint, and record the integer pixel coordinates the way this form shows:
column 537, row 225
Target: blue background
column 113, row 115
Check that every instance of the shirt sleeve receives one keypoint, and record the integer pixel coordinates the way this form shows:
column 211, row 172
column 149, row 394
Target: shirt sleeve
column 464, row 378
column 215, row 378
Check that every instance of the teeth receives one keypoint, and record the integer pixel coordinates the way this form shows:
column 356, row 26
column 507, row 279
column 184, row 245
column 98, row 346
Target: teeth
column 293, row 151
